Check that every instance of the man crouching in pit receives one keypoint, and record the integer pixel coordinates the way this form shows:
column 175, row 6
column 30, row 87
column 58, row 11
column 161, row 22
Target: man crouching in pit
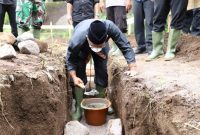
column 90, row 38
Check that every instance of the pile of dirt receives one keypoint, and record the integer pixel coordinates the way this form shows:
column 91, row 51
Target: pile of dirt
column 33, row 95
column 164, row 98
column 189, row 48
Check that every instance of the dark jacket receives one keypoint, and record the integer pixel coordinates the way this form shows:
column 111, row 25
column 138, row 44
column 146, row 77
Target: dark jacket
column 8, row 2
column 78, row 44
column 82, row 9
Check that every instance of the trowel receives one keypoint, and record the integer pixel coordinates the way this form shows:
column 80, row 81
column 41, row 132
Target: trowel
column 92, row 92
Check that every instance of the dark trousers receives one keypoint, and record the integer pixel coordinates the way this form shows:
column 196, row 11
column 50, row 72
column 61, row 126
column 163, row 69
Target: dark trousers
column 143, row 11
column 187, row 22
column 100, row 66
column 10, row 9
column 195, row 30
column 117, row 14
column 162, row 9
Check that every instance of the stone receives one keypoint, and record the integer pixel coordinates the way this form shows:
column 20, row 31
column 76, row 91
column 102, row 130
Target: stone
column 29, row 47
column 8, row 38
column 7, row 52
column 114, row 127
column 42, row 45
column 75, row 128
column 25, row 36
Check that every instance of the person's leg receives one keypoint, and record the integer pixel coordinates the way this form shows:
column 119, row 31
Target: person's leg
column 110, row 13
column 196, row 23
column 2, row 16
column 178, row 9
column 148, row 11
column 101, row 75
column 110, row 16
column 138, row 11
column 100, row 67
column 23, row 15
column 120, row 18
column 12, row 18
column 38, row 18
column 187, row 22
column 120, row 21
column 161, row 10
column 77, row 91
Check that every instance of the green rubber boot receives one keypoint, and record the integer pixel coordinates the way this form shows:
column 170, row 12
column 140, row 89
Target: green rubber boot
column 36, row 33
column 157, row 46
column 172, row 41
column 102, row 91
column 78, row 93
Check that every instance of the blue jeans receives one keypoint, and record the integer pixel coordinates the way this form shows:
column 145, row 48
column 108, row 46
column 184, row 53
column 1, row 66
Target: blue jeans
column 10, row 9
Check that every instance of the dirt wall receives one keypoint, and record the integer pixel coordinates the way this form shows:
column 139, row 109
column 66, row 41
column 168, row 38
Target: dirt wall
column 33, row 96
column 163, row 99
column 145, row 111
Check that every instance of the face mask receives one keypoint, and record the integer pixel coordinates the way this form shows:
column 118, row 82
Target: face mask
column 96, row 49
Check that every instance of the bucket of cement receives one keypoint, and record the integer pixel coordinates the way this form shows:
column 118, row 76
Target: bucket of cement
column 95, row 110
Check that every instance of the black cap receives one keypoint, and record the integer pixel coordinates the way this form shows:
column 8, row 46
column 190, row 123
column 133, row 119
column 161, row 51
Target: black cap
column 97, row 32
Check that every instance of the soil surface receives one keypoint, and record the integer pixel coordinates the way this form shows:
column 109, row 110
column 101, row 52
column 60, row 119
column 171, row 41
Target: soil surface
column 164, row 98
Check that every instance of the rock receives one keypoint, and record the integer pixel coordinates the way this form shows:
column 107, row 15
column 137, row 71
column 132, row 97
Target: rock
column 25, row 36
column 8, row 38
column 75, row 128
column 114, row 127
column 29, row 47
column 7, row 52
column 42, row 45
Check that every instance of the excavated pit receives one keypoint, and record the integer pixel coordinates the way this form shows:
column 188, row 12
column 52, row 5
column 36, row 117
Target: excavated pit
column 164, row 99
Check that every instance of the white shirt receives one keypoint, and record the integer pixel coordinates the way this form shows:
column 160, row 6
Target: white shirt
column 110, row 3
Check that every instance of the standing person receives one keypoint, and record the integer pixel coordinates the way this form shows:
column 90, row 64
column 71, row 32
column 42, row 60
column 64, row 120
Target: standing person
column 8, row 6
column 143, row 9
column 161, row 11
column 30, row 13
column 79, row 10
column 90, row 38
column 116, row 12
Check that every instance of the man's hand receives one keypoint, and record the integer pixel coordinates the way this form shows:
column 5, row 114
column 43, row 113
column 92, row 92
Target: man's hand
column 78, row 82
column 69, row 19
column 128, row 5
column 101, row 6
column 132, row 70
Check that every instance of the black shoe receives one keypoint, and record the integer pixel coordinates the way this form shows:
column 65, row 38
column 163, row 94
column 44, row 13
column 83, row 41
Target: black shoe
column 140, row 50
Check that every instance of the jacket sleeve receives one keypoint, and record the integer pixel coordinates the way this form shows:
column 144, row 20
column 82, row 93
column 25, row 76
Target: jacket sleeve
column 74, row 48
column 121, row 41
